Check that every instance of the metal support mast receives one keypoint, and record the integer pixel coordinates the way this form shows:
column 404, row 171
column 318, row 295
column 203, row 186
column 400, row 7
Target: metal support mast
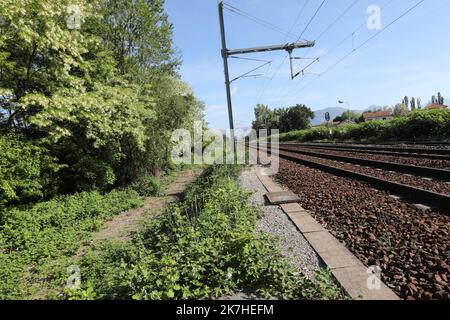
column 289, row 47
column 225, row 66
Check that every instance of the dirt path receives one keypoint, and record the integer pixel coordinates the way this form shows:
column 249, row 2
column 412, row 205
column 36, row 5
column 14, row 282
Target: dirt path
column 123, row 226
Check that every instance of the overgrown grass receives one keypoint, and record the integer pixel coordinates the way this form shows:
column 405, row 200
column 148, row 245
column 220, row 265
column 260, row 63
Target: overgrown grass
column 203, row 247
column 418, row 125
column 33, row 236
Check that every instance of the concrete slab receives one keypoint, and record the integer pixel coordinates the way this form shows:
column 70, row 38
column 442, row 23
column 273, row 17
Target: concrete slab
column 356, row 281
column 351, row 273
column 291, row 207
column 268, row 183
column 333, row 253
column 282, row 197
column 305, row 222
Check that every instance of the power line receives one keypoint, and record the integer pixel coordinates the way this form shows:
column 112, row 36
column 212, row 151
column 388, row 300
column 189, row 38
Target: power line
column 351, row 35
column 362, row 45
column 267, row 84
column 320, row 36
column 259, row 21
column 354, row 32
column 311, row 20
column 299, row 38
column 337, row 19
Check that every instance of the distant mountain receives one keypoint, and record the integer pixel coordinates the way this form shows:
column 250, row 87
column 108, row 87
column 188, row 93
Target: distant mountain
column 319, row 115
column 373, row 108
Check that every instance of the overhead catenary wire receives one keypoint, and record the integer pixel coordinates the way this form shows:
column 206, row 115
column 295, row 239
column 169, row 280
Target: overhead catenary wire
column 299, row 15
column 259, row 21
column 298, row 39
column 249, row 72
column 334, row 48
column 328, row 28
column 267, row 84
column 312, row 19
column 361, row 45
column 353, row 32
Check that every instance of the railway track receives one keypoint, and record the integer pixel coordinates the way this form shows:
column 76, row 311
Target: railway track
column 381, row 153
column 443, row 154
column 442, row 174
column 413, row 193
column 409, row 245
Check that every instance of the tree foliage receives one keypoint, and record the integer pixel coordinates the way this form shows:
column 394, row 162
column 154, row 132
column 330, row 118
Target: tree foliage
column 103, row 98
column 284, row 119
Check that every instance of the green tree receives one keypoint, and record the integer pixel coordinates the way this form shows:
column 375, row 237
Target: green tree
column 296, row 118
column 102, row 99
column 339, row 119
column 26, row 170
column 440, row 98
column 413, row 104
column 263, row 117
column 406, row 102
column 140, row 35
column 350, row 115
column 400, row 110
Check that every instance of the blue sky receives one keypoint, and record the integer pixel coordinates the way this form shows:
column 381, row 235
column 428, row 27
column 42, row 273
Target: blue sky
column 410, row 58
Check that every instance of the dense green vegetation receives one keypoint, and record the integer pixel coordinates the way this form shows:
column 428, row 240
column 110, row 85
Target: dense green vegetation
column 417, row 125
column 284, row 119
column 205, row 246
column 89, row 96
column 88, row 108
column 33, row 236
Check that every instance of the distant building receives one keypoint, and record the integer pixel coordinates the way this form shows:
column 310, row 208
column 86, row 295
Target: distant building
column 435, row 106
column 378, row 115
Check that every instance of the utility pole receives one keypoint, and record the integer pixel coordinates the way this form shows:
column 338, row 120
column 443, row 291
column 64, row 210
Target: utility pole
column 289, row 47
column 225, row 66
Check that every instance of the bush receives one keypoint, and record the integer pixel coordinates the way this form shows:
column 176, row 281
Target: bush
column 52, row 228
column 31, row 237
column 425, row 124
column 421, row 124
column 204, row 247
column 147, row 186
column 25, row 171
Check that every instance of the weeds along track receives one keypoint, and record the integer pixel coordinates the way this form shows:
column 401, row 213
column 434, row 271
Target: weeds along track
column 409, row 244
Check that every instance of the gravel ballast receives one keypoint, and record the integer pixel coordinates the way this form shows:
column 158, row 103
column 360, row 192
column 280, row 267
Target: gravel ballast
column 274, row 221
column 409, row 244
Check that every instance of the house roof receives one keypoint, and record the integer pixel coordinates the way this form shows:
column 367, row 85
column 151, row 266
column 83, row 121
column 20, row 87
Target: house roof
column 434, row 106
column 377, row 114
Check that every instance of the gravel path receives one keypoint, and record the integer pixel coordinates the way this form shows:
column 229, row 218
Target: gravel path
column 294, row 246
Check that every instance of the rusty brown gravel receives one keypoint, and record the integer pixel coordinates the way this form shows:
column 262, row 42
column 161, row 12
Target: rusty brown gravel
column 416, row 161
column 415, row 181
column 412, row 246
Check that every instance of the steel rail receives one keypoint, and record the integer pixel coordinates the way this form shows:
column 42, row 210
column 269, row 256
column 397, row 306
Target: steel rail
column 414, row 151
column 416, row 195
column 386, row 153
column 441, row 174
